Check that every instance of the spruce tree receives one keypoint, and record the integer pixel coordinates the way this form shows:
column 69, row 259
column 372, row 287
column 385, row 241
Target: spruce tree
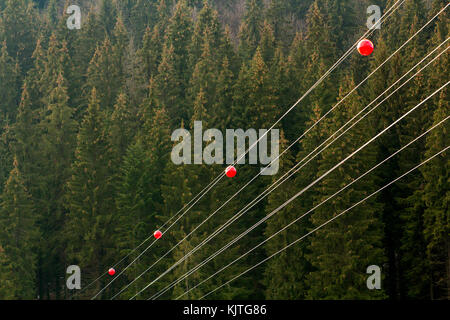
column 90, row 198
column 18, row 23
column 58, row 142
column 10, row 89
column 284, row 273
column 255, row 98
column 105, row 74
column 18, row 239
column 249, row 33
column 150, row 53
column 342, row 251
column 435, row 197
column 122, row 127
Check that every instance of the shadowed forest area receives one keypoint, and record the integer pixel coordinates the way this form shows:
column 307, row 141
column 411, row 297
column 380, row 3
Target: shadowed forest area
column 86, row 118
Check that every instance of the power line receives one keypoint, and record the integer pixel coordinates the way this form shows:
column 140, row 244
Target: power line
column 251, row 204
column 210, row 186
column 142, row 243
column 294, row 197
column 277, row 183
column 327, row 222
column 317, row 206
column 385, row 16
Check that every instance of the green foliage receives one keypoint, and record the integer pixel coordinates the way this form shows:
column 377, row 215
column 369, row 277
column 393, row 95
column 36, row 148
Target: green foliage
column 18, row 240
column 341, row 252
column 86, row 118
column 90, row 196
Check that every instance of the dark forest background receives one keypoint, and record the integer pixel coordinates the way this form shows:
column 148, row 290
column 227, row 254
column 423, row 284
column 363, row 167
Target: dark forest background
column 86, row 118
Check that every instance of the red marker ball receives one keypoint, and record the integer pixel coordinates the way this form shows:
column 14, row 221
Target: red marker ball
column 365, row 47
column 157, row 234
column 230, row 171
column 112, row 272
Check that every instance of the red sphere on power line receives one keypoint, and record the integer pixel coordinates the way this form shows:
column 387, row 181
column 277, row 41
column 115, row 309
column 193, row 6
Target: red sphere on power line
column 365, row 47
column 230, row 171
column 157, row 234
column 111, row 271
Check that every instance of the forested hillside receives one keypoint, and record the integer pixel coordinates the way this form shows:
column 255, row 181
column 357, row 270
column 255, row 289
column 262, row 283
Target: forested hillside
column 86, row 118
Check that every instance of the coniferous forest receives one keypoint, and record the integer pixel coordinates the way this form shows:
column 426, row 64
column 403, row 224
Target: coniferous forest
column 86, row 123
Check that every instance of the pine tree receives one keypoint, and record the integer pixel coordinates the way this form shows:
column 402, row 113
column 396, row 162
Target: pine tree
column 90, row 197
column 295, row 85
column 387, row 144
column 435, row 197
column 35, row 74
column 204, row 79
column 58, row 142
column 181, row 183
column 170, row 88
column 57, row 61
column 120, row 43
column 267, row 43
column 207, row 29
column 105, row 74
column 151, row 51
column 107, row 17
column 52, row 12
column 179, row 35
column 122, row 127
column 221, row 108
column 17, row 29
column 320, row 30
column 249, row 33
column 90, row 36
column 142, row 15
column 413, row 262
column 341, row 252
column 25, row 139
column 174, row 70
column 7, row 289
column 284, row 273
column 255, row 98
column 9, row 91
column 136, row 212
column 279, row 15
column 18, row 239
column 139, row 196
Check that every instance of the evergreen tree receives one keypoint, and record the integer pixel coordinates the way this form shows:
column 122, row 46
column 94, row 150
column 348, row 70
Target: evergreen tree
column 58, row 142
column 90, row 198
column 255, row 98
column 173, row 70
column 249, row 33
column 279, row 15
column 169, row 87
column 341, row 252
column 122, row 127
column 207, row 29
column 18, row 239
column 435, row 197
column 136, row 212
column 151, row 51
column 25, row 139
column 105, row 74
column 9, row 91
column 284, row 273
column 142, row 15
column 107, row 16
column 17, row 29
